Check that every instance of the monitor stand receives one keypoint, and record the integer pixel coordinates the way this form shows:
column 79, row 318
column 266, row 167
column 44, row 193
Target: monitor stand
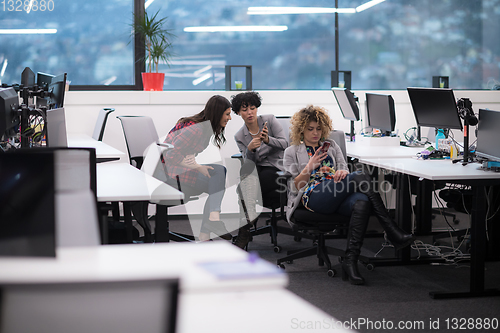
column 468, row 157
column 351, row 135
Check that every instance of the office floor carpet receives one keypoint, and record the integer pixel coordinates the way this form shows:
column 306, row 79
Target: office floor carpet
column 392, row 295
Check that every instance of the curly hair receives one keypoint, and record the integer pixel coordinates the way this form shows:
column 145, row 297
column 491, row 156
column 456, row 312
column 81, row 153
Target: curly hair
column 245, row 99
column 301, row 119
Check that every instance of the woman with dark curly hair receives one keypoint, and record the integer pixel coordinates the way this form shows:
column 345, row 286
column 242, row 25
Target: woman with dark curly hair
column 190, row 136
column 322, row 183
column 261, row 141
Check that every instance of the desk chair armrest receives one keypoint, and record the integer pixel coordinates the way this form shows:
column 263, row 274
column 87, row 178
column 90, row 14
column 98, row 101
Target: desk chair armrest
column 238, row 155
column 165, row 145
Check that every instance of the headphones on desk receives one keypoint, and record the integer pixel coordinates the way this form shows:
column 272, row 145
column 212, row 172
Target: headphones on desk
column 465, row 112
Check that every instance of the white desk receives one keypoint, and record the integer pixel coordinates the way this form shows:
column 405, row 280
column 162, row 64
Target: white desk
column 251, row 311
column 432, row 169
column 121, row 182
column 136, row 261
column 445, row 170
column 360, row 151
column 206, row 303
column 104, row 152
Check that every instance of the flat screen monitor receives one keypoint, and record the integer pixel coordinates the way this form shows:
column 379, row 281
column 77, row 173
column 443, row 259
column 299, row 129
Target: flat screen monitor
column 435, row 107
column 56, row 89
column 9, row 115
column 43, row 80
column 488, row 135
column 27, row 209
column 56, row 128
column 380, row 111
column 347, row 103
column 95, row 306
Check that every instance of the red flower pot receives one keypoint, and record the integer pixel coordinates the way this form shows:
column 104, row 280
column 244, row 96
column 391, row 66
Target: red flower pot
column 153, row 81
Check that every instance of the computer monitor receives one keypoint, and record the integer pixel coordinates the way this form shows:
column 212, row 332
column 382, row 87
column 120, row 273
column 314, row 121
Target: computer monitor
column 43, row 80
column 488, row 135
column 57, row 88
column 27, row 204
column 56, row 128
column 94, row 306
column 381, row 113
column 9, row 114
column 347, row 103
column 435, row 107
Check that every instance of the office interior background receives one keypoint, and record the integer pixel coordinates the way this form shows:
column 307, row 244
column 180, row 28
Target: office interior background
column 387, row 47
column 392, row 45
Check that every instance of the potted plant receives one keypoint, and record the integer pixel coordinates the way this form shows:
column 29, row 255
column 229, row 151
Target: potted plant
column 157, row 42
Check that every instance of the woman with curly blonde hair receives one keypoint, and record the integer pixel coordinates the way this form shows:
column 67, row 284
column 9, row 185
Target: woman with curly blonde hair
column 321, row 183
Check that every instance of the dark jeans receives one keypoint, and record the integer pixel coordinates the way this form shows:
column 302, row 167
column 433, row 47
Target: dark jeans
column 215, row 186
column 329, row 197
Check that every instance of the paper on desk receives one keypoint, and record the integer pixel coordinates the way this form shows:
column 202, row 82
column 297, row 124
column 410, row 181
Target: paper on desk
column 242, row 269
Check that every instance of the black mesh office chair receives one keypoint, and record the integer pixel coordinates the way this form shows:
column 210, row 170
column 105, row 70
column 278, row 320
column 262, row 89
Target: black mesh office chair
column 274, row 201
column 140, row 132
column 320, row 227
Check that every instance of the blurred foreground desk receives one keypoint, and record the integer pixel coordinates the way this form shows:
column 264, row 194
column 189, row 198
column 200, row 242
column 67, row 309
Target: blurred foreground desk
column 206, row 304
column 104, row 152
column 445, row 170
column 122, row 182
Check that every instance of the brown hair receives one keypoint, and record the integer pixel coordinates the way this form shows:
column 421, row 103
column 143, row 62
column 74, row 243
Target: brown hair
column 301, row 119
column 213, row 112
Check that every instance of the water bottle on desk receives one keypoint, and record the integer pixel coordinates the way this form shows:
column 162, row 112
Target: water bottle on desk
column 439, row 135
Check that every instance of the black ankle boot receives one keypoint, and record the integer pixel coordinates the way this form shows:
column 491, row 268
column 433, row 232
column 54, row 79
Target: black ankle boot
column 244, row 236
column 397, row 236
column 357, row 227
column 350, row 271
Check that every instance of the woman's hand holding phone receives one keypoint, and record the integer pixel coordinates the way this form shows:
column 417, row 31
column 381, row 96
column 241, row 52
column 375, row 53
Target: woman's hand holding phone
column 264, row 133
column 315, row 160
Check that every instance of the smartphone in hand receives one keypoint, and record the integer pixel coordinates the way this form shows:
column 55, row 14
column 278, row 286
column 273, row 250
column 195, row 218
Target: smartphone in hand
column 265, row 125
column 325, row 146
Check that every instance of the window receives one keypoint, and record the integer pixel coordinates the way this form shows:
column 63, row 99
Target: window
column 392, row 45
column 402, row 43
column 89, row 40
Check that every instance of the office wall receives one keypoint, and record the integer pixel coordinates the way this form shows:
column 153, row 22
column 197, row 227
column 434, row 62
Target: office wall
column 167, row 107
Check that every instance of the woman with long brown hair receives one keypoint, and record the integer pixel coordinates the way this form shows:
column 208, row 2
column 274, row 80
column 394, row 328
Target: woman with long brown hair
column 190, row 136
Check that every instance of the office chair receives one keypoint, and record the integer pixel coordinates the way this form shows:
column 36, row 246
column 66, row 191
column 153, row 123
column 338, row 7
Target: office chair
column 320, row 227
column 140, row 133
column 154, row 167
column 76, row 216
column 273, row 202
column 100, row 124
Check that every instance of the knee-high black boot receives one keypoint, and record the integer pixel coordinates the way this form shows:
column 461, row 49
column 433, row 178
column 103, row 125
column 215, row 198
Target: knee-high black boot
column 361, row 211
column 398, row 237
